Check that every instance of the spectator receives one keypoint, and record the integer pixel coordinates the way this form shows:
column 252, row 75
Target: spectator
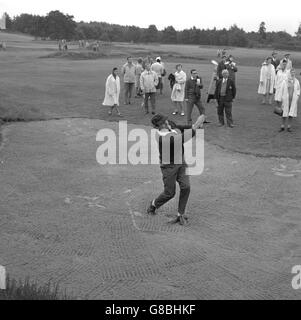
column 129, row 78
column 275, row 61
column 225, row 94
column 221, row 66
column 267, row 80
column 138, row 72
column 282, row 75
column 159, row 69
column 290, row 91
column 178, row 92
column 193, row 95
column 148, row 82
column 112, row 92
column 232, row 68
column 212, row 85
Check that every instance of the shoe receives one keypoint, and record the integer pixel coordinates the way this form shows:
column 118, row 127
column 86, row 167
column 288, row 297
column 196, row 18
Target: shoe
column 182, row 114
column 183, row 220
column 220, row 125
column 151, row 210
column 289, row 130
column 176, row 220
column 231, row 125
column 281, row 129
column 110, row 113
column 153, row 112
column 120, row 115
column 175, row 113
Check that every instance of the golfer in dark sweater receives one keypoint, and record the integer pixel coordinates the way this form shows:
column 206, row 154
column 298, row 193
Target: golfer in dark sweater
column 170, row 136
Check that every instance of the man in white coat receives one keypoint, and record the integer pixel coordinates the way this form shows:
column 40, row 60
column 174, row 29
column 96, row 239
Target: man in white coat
column 112, row 92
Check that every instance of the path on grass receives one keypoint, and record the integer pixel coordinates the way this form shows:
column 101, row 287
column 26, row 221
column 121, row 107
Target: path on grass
column 65, row 218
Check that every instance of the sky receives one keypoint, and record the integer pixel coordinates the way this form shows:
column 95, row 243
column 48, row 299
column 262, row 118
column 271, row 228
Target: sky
column 247, row 14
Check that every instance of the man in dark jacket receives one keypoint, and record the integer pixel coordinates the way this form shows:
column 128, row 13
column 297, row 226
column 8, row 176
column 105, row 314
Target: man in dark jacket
column 225, row 94
column 173, row 166
column 193, row 95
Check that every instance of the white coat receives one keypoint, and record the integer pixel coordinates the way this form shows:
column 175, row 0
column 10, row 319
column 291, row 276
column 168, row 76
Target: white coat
column 178, row 91
column 263, row 80
column 290, row 110
column 112, row 91
column 280, row 77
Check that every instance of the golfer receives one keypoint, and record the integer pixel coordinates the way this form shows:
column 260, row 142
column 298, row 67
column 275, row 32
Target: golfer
column 173, row 166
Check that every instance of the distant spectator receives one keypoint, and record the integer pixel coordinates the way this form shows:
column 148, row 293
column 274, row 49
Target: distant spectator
column 221, row 66
column 282, row 75
column 290, row 91
column 267, row 81
column 178, row 92
column 112, row 92
column 212, row 85
column 275, row 61
column 289, row 63
column 138, row 72
column 232, row 68
column 225, row 94
column 193, row 95
column 129, row 79
column 148, row 82
column 159, row 69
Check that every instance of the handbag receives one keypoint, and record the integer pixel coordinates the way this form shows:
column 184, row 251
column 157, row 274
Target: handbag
column 278, row 111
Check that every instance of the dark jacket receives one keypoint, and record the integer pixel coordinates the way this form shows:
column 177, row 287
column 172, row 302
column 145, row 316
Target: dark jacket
column 230, row 90
column 172, row 80
column 221, row 66
column 192, row 90
column 171, row 140
column 232, row 70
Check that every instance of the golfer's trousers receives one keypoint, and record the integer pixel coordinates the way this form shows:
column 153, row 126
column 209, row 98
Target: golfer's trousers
column 128, row 91
column 227, row 107
column 190, row 104
column 171, row 174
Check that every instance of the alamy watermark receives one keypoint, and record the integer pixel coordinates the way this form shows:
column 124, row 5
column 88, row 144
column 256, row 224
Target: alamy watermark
column 140, row 146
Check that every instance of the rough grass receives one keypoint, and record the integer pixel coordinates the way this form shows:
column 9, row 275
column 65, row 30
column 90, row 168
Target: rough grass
column 28, row 290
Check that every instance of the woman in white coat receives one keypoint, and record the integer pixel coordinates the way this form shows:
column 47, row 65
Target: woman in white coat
column 267, row 81
column 282, row 74
column 178, row 91
column 112, row 92
column 290, row 91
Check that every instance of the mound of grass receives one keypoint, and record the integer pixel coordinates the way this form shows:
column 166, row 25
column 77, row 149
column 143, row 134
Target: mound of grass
column 27, row 290
column 77, row 55
column 10, row 112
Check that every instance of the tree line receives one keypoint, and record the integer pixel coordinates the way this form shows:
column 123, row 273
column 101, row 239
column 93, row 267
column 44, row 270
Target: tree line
column 56, row 25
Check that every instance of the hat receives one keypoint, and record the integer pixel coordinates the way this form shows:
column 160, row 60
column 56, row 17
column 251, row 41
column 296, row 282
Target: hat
column 158, row 59
column 158, row 119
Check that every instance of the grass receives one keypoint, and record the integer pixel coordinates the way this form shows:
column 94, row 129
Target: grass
column 28, row 290
column 32, row 88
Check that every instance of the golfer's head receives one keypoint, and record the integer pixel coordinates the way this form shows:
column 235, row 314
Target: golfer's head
column 159, row 121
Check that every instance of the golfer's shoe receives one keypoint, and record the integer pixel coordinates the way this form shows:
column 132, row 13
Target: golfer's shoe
column 151, row 210
column 183, row 220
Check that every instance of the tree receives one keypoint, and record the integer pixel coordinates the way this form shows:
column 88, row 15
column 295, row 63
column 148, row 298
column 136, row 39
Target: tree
column 151, row 34
column 169, row 35
column 262, row 30
column 60, row 26
column 9, row 22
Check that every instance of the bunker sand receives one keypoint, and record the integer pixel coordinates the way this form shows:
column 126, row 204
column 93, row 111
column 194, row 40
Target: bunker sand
column 67, row 219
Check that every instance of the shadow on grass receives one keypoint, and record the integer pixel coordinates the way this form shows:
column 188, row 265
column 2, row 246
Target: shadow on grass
column 27, row 290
